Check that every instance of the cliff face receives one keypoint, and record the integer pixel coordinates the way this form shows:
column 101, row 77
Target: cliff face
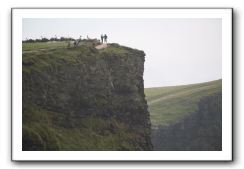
column 99, row 93
column 199, row 131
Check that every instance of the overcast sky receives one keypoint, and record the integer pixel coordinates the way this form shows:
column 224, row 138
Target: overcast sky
column 178, row 51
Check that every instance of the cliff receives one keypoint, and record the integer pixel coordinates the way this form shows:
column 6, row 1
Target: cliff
column 85, row 99
column 198, row 131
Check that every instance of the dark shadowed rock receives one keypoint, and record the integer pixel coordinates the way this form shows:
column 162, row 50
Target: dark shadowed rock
column 83, row 82
column 199, row 131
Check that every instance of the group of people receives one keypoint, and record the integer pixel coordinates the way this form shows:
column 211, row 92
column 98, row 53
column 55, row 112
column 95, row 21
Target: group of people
column 104, row 38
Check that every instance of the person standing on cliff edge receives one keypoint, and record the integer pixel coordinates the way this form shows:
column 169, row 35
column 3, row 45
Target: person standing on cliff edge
column 105, row 38
column 102, row 38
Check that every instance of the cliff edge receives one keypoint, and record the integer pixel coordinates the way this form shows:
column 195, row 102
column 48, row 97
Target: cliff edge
column 85, row 99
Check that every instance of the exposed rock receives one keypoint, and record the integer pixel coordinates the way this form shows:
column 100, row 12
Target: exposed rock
column 83, row 82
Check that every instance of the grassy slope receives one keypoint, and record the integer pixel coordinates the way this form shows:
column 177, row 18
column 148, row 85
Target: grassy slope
column 51, row 131
column 41, row 55
column 170, row 104
column 42, row 45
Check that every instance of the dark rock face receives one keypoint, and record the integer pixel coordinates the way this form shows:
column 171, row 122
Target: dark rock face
column 200, row 131
column 86, row 82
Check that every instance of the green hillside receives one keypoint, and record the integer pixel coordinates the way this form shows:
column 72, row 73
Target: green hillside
column 170, row 104
column 43, row 45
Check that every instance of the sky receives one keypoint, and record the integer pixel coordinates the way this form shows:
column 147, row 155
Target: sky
column 178, row 51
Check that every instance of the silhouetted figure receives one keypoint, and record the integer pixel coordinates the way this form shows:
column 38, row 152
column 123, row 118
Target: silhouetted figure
column 105, row 38
column 102, row 38
column 76, row 43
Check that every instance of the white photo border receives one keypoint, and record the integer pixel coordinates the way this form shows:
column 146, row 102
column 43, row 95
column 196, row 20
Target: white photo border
column 19, row 13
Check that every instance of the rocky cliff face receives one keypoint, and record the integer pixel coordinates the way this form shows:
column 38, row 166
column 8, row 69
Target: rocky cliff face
column 98, row 92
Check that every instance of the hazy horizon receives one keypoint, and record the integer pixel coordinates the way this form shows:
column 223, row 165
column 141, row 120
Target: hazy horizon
column 178, row 51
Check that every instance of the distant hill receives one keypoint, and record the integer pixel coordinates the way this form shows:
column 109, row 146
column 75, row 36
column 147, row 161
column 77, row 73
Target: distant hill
column 170, row 104
column 186, row 117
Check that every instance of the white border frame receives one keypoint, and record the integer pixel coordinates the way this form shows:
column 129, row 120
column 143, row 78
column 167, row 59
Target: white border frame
column 19, row 155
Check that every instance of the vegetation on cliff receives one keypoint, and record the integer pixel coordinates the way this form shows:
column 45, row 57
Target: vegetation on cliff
column 81, row 98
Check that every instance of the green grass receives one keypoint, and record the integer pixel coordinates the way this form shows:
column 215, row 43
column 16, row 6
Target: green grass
column 115, row 48
column 46, row 130
column 39, row 56
column 42, row 45
column 42, row 59
column 170, row 104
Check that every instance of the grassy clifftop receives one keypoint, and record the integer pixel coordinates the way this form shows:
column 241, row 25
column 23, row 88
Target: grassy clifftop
column 81, row 98
column 170, row 104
